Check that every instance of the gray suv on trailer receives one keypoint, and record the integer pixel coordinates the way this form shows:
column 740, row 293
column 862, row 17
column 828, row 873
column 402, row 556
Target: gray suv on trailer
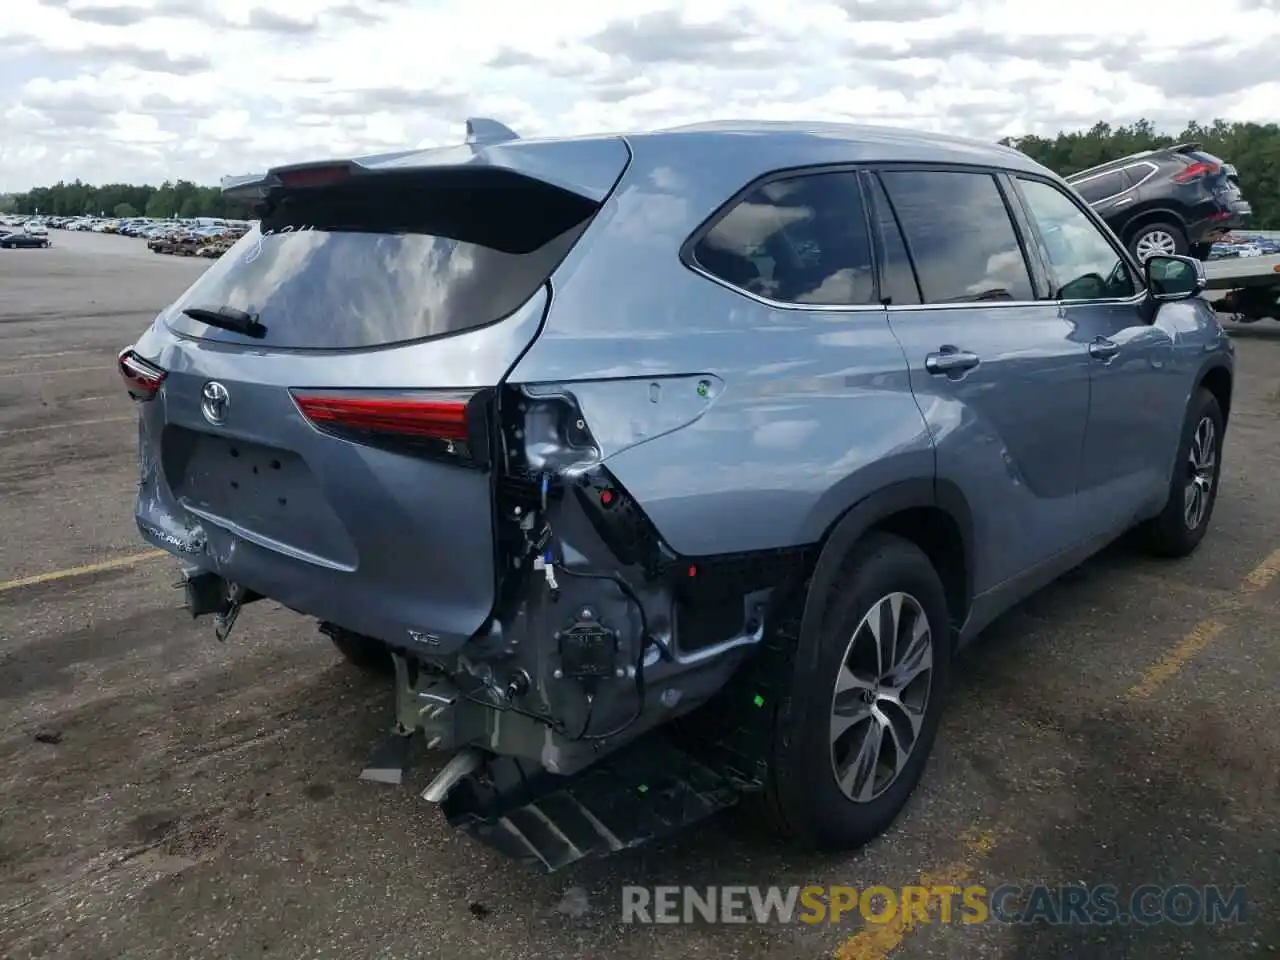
column 668, row 467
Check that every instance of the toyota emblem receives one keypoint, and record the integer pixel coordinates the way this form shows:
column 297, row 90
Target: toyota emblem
column 214, row 400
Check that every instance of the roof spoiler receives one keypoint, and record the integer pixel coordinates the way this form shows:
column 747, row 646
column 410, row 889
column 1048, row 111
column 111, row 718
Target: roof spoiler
column 252, row 187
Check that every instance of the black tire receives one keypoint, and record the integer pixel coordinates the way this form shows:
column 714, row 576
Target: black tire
column 802, row 797
column 370, row 655
column 1171, row 533
column 1172, row 230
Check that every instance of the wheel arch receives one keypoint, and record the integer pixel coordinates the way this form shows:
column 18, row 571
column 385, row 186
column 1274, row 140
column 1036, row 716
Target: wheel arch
column 932, row 514
column 1218, row 380
column 1152, row 215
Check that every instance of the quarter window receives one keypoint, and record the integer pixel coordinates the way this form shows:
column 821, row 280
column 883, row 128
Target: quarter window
column 1084, row 264
column 800, row 240
column 961, row 238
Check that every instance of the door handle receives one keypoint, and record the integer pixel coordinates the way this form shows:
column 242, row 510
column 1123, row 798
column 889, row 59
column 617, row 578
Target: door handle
column 1103, row 349
column 949, row 359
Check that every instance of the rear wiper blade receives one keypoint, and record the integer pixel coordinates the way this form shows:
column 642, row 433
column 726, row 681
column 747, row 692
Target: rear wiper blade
column 228, row 318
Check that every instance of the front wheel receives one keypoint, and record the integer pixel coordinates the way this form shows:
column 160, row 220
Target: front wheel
column 1193, row 489
column 852, row 735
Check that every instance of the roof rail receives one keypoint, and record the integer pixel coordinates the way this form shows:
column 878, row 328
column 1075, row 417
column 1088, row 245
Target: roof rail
column 1133, row 156
column 484, row 130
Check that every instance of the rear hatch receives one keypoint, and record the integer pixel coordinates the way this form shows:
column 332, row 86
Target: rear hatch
column 1220, row 180
column 317, row 404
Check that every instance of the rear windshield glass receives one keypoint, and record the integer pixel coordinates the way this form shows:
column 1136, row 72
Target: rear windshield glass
column 405, row 258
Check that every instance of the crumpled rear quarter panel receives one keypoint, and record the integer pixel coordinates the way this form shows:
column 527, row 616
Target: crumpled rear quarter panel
column 809, row 410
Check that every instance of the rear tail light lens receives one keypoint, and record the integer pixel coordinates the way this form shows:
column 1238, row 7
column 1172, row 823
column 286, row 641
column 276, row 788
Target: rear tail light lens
column 1197, row 170
column 451, row 424
column 315, row 176
column 141, row 378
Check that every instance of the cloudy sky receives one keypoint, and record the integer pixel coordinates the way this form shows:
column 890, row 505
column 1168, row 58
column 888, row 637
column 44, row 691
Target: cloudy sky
column 143, row 90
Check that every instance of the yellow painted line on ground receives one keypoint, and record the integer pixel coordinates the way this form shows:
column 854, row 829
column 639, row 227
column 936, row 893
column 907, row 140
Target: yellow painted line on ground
column 1262, row 575
column 64, row 426
column 89, row 568
column 1201, row 635
column 1206, row 631
column 49, row 373
column 878, row 940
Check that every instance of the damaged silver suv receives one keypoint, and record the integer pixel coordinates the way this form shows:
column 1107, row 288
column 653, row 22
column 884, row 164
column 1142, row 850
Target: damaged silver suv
column 666, row 468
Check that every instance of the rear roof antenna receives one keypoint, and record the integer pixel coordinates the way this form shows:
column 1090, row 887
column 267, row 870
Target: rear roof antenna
column 484, row 130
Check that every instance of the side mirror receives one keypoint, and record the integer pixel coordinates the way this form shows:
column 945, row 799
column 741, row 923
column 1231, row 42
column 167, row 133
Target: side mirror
column 1174, row 278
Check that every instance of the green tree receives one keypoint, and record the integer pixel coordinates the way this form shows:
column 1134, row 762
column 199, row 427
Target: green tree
column 1254, row 148
column 123, row 210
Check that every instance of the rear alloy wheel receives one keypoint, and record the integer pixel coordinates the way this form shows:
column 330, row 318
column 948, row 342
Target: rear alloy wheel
column 1163, row 239
column 881, row 692
column 852, row 736
column 1193, row 489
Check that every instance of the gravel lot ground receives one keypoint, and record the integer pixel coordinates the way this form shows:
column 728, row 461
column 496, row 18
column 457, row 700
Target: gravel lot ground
column 165, row 796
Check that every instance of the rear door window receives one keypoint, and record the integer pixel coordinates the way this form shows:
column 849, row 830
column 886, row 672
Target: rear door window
column 960, row 235
column 396, row 259
column 1102, row 186
column 800, row 240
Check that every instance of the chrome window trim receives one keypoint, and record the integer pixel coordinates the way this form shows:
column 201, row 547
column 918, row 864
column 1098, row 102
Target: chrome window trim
column 1152, row 170
column 972, row 305
column 697, row 268
column 1135, row 300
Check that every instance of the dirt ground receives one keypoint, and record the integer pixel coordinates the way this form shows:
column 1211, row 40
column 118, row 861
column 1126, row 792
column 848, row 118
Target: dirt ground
column 164, row 796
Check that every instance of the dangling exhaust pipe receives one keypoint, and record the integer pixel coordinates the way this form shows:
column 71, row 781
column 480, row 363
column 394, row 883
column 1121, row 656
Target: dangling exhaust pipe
column 462, row 765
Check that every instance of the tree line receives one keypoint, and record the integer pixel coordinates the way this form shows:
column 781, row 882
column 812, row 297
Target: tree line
column 180, row 198
column 1254, row 148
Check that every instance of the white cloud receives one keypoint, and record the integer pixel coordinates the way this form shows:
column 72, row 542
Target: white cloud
column 143, row 90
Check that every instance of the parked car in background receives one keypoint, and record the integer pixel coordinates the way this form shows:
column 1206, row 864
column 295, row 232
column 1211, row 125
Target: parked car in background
column 1175, row 200
column 22, row 238
column 549, row 454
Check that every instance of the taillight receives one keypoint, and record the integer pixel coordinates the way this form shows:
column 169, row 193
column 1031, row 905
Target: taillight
column 325, row 176
column 447, row 423
column 141, row 378
column 1196, row 170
